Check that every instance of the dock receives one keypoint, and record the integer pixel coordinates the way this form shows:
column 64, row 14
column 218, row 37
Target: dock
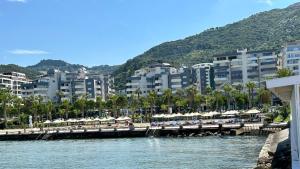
column 162, row 131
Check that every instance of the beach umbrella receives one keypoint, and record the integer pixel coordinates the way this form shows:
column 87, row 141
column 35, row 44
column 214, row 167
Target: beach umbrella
column 47, row 122
column 57, row 121
column 252, row 111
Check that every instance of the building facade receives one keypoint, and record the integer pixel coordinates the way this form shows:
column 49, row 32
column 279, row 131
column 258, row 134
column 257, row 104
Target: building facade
column 291, row 56
column 204, row 76
column 13, row 81
column 237, row 68
column 46, row 87
column 152, row 78
column 57, row 85
column 158, row 78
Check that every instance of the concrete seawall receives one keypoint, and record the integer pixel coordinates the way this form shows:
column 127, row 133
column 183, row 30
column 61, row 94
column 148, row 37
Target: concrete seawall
column 276, row 152
column 177, row 131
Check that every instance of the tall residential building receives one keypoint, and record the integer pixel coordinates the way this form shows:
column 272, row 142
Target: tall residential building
column 242, row 66
column 291, row 56
column 107, row 83
column 78, row 84
column 204, row 76
column 13, row 82
column 46, row 87
column 181, row 78
column 158, row 78
column 74, row 89
column 152, row 78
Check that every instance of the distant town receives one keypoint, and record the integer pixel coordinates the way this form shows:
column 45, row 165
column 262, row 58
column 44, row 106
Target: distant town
column 235, row 68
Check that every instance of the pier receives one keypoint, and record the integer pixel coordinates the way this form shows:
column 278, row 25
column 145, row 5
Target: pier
column 163, row 131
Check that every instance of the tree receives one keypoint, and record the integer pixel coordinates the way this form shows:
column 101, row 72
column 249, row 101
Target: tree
column 264, row 96
column 5, row 99
column 152, row 99
column 81, row 105
column 284, row 72
column 191, row 93
column 167, row 96
column 99, row 104
column 218, row 99
column 227, row 89
column 18, row 103
column 121, row 103
column 49, row 107
column 250, row 86
column 65, row 105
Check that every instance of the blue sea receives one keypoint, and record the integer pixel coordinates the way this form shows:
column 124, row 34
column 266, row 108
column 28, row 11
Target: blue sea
column 230, row 152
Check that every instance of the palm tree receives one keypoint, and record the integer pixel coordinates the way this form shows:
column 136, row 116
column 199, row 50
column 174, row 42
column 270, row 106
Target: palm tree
column 218, row 99
column 81, row 105
column 284, row 72
column 264, row 96
column 152, row 99
column 49, row 107
column 167, row 96
column 121, row 103
column 99, row 104
column 18, row 103
column 250, row 86
column 227, row 89
column 66, row 107
column 191, row 93
column 5, row 99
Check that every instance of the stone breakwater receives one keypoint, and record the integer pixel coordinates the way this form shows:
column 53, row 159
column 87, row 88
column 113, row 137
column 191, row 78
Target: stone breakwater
column 276, row 152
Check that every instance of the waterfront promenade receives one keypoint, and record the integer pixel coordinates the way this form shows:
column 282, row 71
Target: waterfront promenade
column 141, row 130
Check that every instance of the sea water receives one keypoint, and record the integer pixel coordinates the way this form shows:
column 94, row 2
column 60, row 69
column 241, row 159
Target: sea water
column 230, row 152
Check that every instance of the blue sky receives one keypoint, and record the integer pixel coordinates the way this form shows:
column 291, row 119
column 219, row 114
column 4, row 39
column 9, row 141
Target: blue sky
column 96, row 32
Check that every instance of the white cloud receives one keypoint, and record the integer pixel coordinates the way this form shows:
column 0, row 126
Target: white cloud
column 269, row 2
column 19, row 1
column 28, row 52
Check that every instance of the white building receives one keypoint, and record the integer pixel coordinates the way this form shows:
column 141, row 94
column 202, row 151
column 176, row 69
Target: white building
column 291, row 56
column 13, row 81
column 204, row 76
column 155, row 77
column 158, row 78
column 46, row 87
column 242, row 66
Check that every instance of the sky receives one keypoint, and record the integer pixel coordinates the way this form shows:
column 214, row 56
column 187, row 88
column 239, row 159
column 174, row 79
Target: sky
column 98, row 32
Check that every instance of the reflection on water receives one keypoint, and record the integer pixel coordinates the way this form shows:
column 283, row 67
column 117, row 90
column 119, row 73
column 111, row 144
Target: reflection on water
column 194, row 153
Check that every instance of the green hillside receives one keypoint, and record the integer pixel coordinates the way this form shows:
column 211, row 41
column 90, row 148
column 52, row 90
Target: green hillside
column 15, row 68
column 266, row 30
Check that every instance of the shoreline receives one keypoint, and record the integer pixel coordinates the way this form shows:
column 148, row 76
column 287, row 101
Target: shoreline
column 114, row 132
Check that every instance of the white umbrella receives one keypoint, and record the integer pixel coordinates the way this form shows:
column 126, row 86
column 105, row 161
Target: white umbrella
column 231, row 112
column 47, row 122
column 71, row 120
column 252, row 111
column 58, row 121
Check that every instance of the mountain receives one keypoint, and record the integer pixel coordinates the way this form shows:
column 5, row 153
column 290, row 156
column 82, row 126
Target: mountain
column 104, row 69
column 265, row 30
column 31, row 74
column 44, row 65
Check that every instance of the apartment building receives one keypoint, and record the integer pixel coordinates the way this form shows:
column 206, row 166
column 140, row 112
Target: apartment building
column 181, row 78
column 107, row 84
column 80, row 83
column 242, row 66
column 204, row 73
column 46, row 87
column 158, row 78
column 13, row 81
column 291, row 56
column 152, row 78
